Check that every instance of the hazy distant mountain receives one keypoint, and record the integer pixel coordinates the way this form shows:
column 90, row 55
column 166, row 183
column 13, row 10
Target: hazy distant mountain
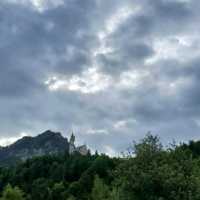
column 46, row 143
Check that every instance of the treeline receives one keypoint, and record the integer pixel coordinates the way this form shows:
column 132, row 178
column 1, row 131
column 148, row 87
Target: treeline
column 146, row 172
column 58, row 177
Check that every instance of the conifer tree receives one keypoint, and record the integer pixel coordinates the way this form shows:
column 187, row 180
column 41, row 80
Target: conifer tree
column 100, row 191
column 11, row 193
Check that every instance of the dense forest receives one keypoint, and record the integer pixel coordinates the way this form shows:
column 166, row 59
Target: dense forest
column 146, row 171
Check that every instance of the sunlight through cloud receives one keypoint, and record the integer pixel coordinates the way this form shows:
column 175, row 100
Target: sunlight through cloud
column 90, row 81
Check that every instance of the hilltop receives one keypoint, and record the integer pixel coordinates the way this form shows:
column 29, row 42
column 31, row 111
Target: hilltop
column 46, row 143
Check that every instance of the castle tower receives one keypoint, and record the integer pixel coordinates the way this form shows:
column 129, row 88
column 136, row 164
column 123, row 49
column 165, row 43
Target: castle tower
column 72, row 139
column 72, row 147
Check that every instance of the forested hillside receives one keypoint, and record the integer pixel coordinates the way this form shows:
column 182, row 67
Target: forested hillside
column 147, row 171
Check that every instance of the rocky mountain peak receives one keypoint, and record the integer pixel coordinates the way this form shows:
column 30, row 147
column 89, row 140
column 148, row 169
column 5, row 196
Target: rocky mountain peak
column 48, row 142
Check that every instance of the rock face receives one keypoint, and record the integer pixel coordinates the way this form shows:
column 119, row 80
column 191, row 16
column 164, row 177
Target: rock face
column 44, row 144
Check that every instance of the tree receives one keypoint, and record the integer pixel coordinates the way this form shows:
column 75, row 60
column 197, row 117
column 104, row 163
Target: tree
column 154, row 173
column 41, row 189
column 11, row 193
column 71, row 198
column 100, row 191
column 58, row 191
column 115, row 194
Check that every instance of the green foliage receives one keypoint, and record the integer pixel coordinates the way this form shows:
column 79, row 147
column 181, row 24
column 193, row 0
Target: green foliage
column 100, row 190
column 115, row 194
column 154, row 173
column 41, row 189
column 58, row 177
column 58, row 191
column 11, row 193
column 147, row 172
column 71, row 198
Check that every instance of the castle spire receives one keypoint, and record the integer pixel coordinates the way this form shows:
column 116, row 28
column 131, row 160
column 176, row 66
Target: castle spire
column 72, row 138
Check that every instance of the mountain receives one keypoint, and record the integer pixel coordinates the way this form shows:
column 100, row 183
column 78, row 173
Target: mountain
column 44, row 144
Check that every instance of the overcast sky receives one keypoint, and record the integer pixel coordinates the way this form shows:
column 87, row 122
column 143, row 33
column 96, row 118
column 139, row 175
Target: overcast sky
column 110, row 70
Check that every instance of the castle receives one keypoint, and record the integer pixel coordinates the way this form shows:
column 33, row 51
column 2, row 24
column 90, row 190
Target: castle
column 83, row 150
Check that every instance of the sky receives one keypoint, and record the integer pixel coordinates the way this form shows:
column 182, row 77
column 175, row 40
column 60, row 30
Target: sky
column 109, row 70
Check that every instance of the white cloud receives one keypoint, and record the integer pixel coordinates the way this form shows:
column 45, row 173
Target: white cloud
column 132, row 78
column 9, row 140
column 118, row 18
column 167, row 88
column 110, row 151
column 111, row 25
column 39, row 5
column 91, row 81
column 178, row 47
column 97, row 131
column 122, row 124
column 182, row 1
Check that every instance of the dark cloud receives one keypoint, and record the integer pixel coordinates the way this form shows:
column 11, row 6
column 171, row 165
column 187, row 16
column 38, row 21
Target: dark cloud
column 146, row 60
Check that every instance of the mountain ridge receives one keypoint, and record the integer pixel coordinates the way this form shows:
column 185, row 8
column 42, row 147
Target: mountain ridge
column 46, row 143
